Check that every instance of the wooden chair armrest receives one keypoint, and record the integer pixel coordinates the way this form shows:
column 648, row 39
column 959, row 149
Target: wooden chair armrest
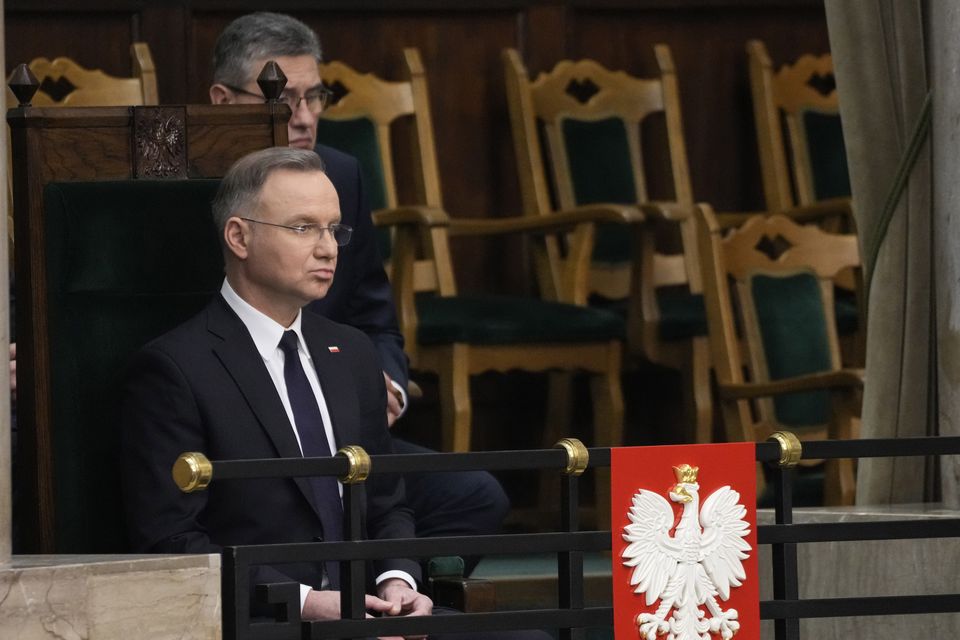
column 470, row 595
column 553, row 223
column 411, row 214
column 844, row 378
column 669, row 211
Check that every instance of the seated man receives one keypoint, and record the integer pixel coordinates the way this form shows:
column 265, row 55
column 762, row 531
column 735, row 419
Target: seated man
column 253, row 376
column 443, row 503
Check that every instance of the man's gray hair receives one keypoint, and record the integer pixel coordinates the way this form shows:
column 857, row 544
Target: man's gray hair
column 239, row 191
column 259, row 37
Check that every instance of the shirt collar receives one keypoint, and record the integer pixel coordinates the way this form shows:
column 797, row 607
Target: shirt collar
column 265, row 331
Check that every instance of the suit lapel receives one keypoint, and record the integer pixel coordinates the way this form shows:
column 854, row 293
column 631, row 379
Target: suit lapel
column 240, row 358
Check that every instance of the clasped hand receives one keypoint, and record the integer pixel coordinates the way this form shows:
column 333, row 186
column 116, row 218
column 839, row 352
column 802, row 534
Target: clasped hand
column 396, row 598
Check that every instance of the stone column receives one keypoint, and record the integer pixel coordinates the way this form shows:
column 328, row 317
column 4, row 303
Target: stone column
column 6, row 519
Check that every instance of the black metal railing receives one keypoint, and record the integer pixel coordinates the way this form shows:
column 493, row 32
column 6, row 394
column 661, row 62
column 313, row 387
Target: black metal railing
column 571, row 617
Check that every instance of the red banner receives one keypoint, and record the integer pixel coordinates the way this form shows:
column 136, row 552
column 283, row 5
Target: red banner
column 684, row 527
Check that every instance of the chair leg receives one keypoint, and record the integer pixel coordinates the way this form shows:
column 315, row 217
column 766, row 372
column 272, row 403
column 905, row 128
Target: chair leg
column 607, row 426
column 559, row 411
column 455, row 406
column 702, row 398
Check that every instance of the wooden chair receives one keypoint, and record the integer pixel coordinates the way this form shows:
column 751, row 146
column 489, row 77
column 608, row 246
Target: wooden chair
column 594, row 125
column 803, row 162
column 115, row 246
column 64, row 83
column 458, row 336
column 768, row 286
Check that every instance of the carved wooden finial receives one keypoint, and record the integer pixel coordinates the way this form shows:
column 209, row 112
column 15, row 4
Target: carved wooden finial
column 23, row 84
column 271, row 81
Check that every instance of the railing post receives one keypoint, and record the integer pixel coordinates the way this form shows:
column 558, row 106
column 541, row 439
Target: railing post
column 352, row 572
column 785, row 579
column 570, row 563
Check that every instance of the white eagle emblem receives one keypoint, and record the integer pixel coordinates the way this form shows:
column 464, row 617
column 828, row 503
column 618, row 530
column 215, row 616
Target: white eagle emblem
column 700, row 562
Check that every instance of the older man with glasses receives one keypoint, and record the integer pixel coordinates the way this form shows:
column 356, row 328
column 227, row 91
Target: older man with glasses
column 444, row 504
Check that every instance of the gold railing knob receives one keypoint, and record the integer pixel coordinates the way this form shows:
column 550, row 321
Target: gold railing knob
column 359, row 464
column 790, row 448
column 577, row 455
column 192, row 472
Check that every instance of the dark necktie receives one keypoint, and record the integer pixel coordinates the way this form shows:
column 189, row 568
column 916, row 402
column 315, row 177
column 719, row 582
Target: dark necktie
column 313, row 441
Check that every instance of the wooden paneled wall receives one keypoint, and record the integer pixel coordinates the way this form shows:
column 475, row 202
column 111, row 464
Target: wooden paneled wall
column 461, row 41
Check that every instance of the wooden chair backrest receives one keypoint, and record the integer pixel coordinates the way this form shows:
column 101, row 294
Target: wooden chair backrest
column 425, row 261
column 549, row 101
column 780, row 100
column 93, row 87
column 764, row 245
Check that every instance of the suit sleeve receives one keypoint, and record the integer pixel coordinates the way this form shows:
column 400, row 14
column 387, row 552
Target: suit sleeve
column 160, row 420
column 371, row 308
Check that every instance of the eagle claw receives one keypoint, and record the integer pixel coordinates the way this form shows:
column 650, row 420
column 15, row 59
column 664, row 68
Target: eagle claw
column 725, row 624
column 651, row 626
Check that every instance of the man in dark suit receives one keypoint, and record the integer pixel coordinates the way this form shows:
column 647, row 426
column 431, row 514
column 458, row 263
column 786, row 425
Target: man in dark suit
column 443, row 504
column 253, row 376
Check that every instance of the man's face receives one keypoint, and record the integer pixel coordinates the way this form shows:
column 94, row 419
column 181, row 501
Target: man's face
column 285, row 270
column 302, row 77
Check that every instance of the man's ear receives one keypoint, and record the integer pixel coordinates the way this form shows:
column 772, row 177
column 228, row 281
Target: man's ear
column 219, row 94
column 236, row 237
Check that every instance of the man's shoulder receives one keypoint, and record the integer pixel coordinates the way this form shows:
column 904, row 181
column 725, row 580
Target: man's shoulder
column 185, row 337
column 336, row 160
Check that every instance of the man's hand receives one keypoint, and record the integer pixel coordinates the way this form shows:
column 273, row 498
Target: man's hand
column 404, row 600
column 325, row 605
column 394, row 401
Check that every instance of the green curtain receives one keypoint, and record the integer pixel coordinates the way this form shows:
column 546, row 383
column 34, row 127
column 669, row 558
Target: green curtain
column 878, row 49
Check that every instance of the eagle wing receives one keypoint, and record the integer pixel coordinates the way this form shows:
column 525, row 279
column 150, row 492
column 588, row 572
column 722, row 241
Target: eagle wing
column 723, row 545
column 651, row 551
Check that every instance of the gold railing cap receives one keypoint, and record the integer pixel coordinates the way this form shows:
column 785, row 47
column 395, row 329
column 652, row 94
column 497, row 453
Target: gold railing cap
column 577, row 455
column 791, row 450
column 359, row 464
column 192, row 472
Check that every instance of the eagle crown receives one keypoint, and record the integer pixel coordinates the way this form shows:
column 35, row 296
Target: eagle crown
column 686, row 474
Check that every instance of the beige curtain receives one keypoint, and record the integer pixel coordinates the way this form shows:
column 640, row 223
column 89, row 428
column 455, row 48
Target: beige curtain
column 878, row 49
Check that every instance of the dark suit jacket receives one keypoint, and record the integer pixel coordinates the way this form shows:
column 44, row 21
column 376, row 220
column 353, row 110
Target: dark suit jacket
column 360, row 295
column 204, row 387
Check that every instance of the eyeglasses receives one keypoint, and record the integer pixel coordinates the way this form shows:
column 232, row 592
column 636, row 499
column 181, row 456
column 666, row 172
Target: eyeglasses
column 341, row 233
column 316, row 99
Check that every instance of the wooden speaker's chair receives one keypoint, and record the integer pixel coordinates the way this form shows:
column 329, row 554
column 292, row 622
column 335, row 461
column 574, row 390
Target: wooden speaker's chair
column 458, row 336
column 115, row 246
column 587, row 125
column 768, row 286
column 803, row 162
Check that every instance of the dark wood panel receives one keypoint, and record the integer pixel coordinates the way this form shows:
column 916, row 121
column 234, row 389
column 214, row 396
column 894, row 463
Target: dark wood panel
column 99, row 40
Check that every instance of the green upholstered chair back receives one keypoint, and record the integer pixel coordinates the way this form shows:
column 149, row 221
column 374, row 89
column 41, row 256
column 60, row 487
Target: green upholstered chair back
column 790, row 315
column 126, row 262
column 823, row 136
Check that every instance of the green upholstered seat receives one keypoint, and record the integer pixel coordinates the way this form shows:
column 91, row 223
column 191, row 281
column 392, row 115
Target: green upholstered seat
column 510, row 320
column 793, row 330
column 126, row 262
